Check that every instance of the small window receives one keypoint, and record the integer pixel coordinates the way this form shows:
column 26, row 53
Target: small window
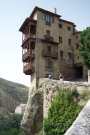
column 49, row 49
column 69, row 41
column 60, row 26
column 69, row 28
column 61, row 55
column 70, row 55
column 77, row 37
column 78, row 57
column 60, row 39
column 48, row 19
column 77, row 46
column 48, row 32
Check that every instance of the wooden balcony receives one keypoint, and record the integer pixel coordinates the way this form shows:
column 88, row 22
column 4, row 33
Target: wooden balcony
column 28, row 41
column 28, row 56
column 27, row 22
column 28, row 69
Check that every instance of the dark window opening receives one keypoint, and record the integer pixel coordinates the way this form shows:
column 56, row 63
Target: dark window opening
column 69, row 41
column 49, row 49
column 79, row 72
column 69, row 28
column 77, row 46
column 60, row 25
column 77, row 37
column 60, row 39
column 61, row 55
column 48, row 32
column 70, row 55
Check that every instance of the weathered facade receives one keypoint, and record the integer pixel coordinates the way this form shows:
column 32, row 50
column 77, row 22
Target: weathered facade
column 50, row 45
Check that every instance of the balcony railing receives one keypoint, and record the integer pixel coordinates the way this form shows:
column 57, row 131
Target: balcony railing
column 27, row 36
column 28, row 56
column 54, row 55
column 48, row 38
column 28, row 69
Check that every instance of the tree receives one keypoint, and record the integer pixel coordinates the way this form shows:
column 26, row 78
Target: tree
column 85, row 46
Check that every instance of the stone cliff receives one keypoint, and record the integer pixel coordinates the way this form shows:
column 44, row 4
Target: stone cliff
column 39, row 102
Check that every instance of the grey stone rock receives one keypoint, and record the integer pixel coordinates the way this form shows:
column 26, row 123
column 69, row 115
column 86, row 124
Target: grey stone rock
column 33, row 118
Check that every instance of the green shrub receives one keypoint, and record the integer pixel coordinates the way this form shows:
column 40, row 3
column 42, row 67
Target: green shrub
column 10, row 125
column 63, row 111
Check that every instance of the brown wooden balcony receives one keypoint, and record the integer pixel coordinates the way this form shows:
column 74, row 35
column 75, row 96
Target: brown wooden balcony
column 28, row 69
column 28, row 37
column 26, row 22
column 27, row 43
column 28, row 56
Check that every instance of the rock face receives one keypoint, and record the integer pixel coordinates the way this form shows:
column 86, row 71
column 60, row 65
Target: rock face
column 33, row 118
column 39, row 102
column 81, row 125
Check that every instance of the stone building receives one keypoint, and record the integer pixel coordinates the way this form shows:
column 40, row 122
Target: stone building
column 50, row 45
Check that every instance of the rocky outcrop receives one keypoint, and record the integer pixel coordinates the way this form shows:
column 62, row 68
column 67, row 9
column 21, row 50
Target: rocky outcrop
column 81, row 125
column 39, row 102
column 33, row 118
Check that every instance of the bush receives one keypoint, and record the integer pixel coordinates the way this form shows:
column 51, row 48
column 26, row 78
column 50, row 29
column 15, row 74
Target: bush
column 10, row 125
column 63, row 111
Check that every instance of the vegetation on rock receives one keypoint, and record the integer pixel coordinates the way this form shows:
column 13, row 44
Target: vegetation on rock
column 10, row 125
column 63, row 111
column 11, row 95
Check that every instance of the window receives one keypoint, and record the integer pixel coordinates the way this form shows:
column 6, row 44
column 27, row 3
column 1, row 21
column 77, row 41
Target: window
column 77, row 46
column 77, row 37
column 61, row 55
column 78, row 57
column 69, row 55
column 69, row 41
column 60, row 26
column 60, row 39
column 48, row 19
column 69, row 28
column 48, row 32
column 49, row 49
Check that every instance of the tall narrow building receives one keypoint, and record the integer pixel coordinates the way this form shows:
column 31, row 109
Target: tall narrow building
column 50, row 45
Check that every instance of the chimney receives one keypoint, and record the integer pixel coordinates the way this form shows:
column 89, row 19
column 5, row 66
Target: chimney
column 55, row 10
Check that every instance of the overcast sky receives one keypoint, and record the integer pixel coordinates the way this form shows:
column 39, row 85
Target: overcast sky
column 13, row 13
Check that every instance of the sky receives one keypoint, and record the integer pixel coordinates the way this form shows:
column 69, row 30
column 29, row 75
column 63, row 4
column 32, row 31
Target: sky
column 12, row 15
